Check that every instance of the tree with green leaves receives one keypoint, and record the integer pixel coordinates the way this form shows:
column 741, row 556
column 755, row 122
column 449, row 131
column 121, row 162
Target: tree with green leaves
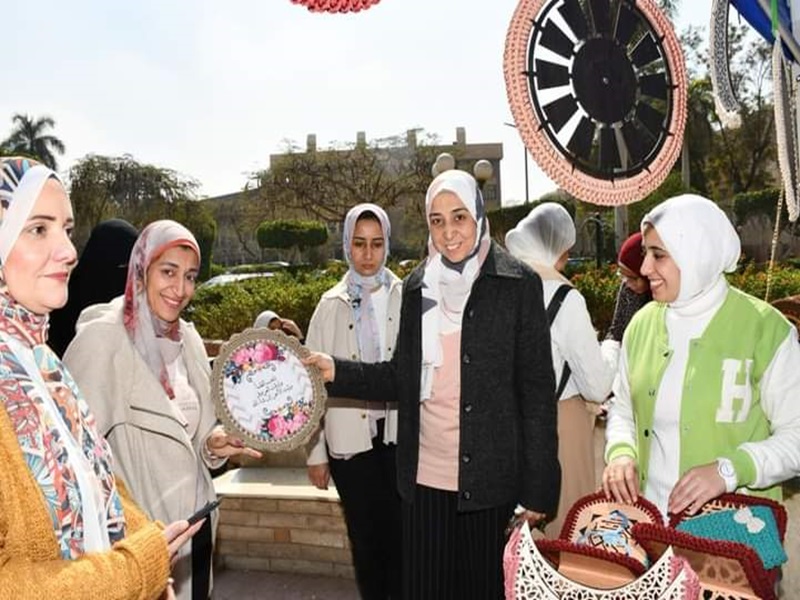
column 30, row 137
column 325, row 184
column 102, row 187
column 725, row 161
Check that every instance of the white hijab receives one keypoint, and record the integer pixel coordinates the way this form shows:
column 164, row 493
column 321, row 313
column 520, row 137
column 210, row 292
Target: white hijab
column 701, row 240
column 542, row 237
column 446, row 286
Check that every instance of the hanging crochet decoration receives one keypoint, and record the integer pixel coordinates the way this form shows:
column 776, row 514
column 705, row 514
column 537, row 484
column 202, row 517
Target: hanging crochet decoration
column 336, row 6
column 784, row 94
column 725, row 104
column 598, row 93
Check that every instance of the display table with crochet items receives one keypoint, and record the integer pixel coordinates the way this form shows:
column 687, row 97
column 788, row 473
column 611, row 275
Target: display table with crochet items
column 731, row 550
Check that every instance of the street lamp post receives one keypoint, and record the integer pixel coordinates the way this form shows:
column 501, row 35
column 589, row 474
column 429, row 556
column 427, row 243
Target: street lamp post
column 444, row 162
column 482, row 170
column 597, row 221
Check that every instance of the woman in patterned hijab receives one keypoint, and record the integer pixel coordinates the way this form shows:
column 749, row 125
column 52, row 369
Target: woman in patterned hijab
column 67, row 524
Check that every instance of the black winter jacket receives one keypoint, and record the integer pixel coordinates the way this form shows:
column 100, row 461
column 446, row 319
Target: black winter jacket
column 508, row 445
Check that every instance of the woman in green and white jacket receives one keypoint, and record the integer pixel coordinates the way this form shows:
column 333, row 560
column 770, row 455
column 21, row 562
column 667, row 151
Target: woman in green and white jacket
column 708, row 375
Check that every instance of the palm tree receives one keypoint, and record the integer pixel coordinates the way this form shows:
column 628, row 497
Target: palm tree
column 28, row 137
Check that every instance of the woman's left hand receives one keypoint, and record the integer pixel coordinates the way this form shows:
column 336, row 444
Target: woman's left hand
column 222, row 445
column 697, row 486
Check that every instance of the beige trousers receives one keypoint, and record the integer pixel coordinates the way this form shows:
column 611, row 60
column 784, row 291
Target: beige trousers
column 576, row 419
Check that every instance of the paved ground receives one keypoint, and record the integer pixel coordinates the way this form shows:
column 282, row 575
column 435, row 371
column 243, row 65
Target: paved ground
column 252, row 585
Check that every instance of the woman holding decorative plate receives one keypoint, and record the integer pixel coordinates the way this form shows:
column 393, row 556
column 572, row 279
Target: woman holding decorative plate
column 146, row 377
column 474, row 382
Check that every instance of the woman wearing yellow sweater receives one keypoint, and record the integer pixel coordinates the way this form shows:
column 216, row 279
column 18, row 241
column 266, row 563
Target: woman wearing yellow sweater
column 67, row 528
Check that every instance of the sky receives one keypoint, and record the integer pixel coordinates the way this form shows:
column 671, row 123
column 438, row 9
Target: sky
column 211, row 89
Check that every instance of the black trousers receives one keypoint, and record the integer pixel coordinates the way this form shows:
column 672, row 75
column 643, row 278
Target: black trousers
column 367, row 486
column 449, row 554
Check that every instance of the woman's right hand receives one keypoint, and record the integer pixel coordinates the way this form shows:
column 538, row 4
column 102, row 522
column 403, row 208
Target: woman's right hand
column 621, row 480
column 177, row 534
column 319, row 475
column 324, row 363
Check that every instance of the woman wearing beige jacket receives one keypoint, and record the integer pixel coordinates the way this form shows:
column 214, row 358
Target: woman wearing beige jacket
column 358, row 319
column 145, row 374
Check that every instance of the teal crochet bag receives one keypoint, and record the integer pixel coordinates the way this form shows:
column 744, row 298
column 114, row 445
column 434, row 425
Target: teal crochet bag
column 753, row 526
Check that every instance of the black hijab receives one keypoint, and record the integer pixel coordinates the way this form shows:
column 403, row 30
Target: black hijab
column 99, row 277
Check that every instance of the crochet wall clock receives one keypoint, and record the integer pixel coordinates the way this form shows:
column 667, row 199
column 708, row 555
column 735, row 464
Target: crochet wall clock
column 598, row 92
column 263, row 392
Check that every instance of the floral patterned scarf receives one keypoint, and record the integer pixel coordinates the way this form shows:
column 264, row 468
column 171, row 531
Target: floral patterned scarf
column 24, row 394
column 143, row 327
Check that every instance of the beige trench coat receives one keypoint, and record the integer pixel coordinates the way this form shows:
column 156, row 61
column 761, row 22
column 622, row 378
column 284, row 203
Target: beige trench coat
column 163, row 468
column 332, row 330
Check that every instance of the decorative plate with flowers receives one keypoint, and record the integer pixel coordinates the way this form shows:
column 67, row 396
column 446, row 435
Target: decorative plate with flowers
column 263, row 391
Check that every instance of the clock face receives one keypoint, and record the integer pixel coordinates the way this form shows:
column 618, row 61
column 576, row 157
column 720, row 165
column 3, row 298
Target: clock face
column 598, row 93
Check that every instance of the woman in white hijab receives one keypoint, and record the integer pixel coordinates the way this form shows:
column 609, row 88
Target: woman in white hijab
column 706, row 398
column 473, row 378
column 543, row 240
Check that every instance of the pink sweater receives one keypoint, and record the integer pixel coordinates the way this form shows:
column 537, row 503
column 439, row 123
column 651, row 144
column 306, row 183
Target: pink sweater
column 439, row 421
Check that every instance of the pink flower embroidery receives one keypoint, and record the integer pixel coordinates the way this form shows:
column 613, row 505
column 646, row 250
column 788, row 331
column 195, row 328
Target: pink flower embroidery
column 278, row 427
column 296, row 423
column 265, row 352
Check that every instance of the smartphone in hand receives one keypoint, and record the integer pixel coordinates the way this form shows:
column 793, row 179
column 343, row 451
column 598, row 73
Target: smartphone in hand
column 203, row 512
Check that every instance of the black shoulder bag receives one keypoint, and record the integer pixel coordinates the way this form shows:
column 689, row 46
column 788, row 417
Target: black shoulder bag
column 552, row 310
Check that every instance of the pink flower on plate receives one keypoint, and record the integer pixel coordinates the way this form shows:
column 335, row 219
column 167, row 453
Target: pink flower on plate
column 243, row 356
column 297, row 422
column 278, row 427
column 265, row 352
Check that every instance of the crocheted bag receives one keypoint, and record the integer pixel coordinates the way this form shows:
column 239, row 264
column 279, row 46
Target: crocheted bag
column 726, row 567
column 595, row 558
column 530, row 576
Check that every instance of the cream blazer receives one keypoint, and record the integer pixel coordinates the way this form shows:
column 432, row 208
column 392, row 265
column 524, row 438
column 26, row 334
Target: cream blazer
column 164, row 469
column 332, row 330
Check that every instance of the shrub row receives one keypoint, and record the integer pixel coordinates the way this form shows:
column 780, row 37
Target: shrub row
column 220, row 311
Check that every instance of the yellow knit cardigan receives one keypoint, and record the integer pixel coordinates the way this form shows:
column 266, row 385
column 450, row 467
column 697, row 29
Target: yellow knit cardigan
column 31, row 566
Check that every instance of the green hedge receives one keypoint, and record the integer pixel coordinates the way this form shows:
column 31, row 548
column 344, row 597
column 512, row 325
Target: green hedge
column 220, row 311
column 288, row 233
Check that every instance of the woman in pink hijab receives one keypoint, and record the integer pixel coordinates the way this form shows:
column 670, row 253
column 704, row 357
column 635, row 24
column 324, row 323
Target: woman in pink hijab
column 146, row 375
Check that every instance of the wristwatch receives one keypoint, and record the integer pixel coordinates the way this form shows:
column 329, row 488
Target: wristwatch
column 726, row 470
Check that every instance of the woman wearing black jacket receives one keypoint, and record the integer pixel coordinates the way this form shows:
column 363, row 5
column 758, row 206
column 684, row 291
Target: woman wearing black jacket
column 477, row 415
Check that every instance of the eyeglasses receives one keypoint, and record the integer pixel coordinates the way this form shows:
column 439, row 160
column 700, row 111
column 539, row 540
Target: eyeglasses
column 625, row 277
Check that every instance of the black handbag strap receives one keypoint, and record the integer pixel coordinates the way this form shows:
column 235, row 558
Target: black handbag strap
column 552, row 310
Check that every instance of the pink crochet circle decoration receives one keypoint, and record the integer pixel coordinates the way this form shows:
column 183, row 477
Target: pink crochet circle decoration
column 598, row 93
column 336, row 6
